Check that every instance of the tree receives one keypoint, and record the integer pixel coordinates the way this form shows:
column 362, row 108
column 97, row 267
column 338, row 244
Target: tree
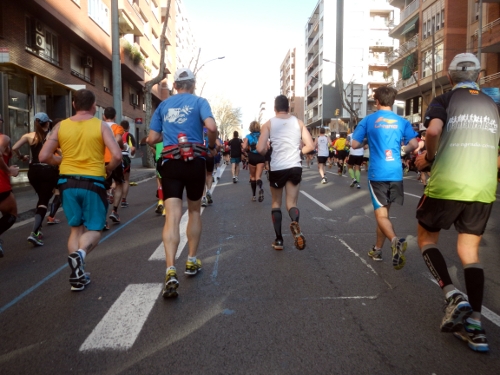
column 148, row 86
column 227, row 117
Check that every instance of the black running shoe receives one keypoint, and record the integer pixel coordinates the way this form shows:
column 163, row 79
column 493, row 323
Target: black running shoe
column 278, row 244
column 261, row 195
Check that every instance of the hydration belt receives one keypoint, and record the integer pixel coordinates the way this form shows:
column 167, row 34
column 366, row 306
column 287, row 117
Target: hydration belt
column 174, row 151
column 78, row 182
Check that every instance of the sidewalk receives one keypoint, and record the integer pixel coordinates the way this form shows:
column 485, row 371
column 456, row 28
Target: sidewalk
column 26, row 197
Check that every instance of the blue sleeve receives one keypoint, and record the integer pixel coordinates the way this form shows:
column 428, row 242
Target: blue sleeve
column 156, row 123
column 360, row 132
column 409, row 133
column 205, row 110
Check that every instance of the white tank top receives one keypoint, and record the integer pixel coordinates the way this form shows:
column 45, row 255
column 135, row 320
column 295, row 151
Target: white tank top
column 355, row 151
column 285, row 136
column 323, row 146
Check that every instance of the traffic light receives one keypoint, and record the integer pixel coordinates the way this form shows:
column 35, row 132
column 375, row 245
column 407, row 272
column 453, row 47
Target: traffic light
column 337, row 112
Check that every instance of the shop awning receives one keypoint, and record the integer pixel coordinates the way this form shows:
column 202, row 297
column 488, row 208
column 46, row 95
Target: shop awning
column 410, row 25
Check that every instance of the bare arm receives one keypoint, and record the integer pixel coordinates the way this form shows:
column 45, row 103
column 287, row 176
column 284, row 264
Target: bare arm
column 263, row 138
column 15, row 149
column 111, row 143
column 47, row 153
column 306, row 138
column 432, row 137
column 13, row 170
column 153, row 138
column 245, row 144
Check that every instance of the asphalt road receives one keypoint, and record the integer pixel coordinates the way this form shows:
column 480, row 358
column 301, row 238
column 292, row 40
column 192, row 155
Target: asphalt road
column 328, row 309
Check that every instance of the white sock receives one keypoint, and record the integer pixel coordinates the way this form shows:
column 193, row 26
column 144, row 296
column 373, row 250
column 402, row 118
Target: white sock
column 171, row 268
column 450, row 293
column 192, row 259
column 82, row 253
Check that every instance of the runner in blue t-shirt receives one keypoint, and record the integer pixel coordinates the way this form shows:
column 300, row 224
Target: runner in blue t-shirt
column 385, row 132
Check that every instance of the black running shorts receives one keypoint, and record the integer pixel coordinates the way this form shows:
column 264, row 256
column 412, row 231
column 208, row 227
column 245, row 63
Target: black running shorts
column 210, row 162
column 278, row 179
column 254, row 159
column 322, row 159
column 179, row 174
column 355, row 160
column 434, row 214
column 116, row 175
column 342, row 154
column 383, row 193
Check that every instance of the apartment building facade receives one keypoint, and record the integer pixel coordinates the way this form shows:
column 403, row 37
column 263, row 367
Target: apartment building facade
column 291, row 80
column 430, row 33
column 50, row 48
column 343, row 65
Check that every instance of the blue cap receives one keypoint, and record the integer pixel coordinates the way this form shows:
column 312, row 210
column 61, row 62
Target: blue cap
column 42, row 117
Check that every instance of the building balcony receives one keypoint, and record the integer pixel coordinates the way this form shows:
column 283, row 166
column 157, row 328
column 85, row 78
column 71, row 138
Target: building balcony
column 492, row 80
column 381, row 43
column 397, row 3
column 313, row 104
column 403, row 83
column 490, row 37
column 403, row 51
column 313, row 25
column 407, row 20
column 378, row 61
column 379, row 79
column 129, row 21
column 130, row 69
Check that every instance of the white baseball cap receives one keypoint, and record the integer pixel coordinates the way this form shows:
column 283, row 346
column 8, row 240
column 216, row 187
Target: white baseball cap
column 183, row 74
column 465, row 57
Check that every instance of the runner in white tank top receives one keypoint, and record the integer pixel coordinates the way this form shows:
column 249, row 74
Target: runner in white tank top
column 286, row 133
column 322, row 143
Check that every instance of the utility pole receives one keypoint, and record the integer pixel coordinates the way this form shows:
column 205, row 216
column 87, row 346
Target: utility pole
column 116, row 66
column 352, row 106
column 433, row 60
column 480, row 31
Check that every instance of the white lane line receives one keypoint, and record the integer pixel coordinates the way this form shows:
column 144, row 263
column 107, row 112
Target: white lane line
column 413, row 195
column 326, row 208
column 487, row 313
column 339, row 298
column 356, row 254
column 123, row 322
column 159, row 253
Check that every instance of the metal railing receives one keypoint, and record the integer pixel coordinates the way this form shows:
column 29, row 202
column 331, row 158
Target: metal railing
column 489, row 78
column 404, row 49
column 488, row 27
column 402, row 83
column 410, row 8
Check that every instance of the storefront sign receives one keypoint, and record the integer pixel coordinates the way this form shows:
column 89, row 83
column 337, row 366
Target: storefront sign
column 138, row 121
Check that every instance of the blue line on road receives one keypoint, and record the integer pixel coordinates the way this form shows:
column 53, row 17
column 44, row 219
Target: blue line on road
column 41, row 282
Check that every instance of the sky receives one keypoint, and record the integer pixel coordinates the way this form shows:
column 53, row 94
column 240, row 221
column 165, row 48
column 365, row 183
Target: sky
column 254, row 36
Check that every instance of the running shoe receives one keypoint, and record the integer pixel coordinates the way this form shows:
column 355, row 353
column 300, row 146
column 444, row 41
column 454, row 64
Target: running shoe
column 398, row 249
column 124, row 203
column 52, row 220
column 278, row 244
column 456, row 310
column 261, row 195
column 1, row 248
column 159, row 208
column 163, row 212
column 171, row 285
column 106, row 227
column 209, row 198
column 192, row 268
column 406, row 170
column 474, row 336
column 254, row 199
column 78, row 278
column 234, row 180
column 36, row 238
column 353, row 182
column 203, row 202
column 324, row 180
column 375, row 254
column 132, row 183
column 339, row 171
column 298, row 238
column 358, row 186
column 114, row 217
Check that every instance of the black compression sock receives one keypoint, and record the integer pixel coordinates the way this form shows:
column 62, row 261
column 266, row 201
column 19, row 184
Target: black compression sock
column 294, row 214
column 259, row 184
column 474, row 282
column 254, row 184
column 39, row 215
column 54, row 206
column 6, row 222
column 437, row 265
column 276, row 216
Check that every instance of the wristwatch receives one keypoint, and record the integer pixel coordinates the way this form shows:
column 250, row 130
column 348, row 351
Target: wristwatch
column 211, row 148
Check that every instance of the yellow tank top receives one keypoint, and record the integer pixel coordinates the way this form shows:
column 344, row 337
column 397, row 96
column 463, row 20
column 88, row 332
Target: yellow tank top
column 82, row 148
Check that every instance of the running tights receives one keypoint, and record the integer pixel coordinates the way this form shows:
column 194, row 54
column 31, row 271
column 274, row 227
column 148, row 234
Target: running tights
column 474, row 282
column 54, row 206
column 6, row 222
column 253, row 183
column 39, row 215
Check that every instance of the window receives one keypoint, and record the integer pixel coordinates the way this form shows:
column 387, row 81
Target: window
column 155, row 10
column 99, row 13
column 424, row 34
column 427, row 61
column 81, row 65
column 476, row 11
column 438, row 21
column 107, row 82
column 442, row 18
column 41, row 41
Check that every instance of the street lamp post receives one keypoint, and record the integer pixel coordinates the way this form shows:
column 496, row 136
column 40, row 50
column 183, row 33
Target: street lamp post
column 206, row 62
